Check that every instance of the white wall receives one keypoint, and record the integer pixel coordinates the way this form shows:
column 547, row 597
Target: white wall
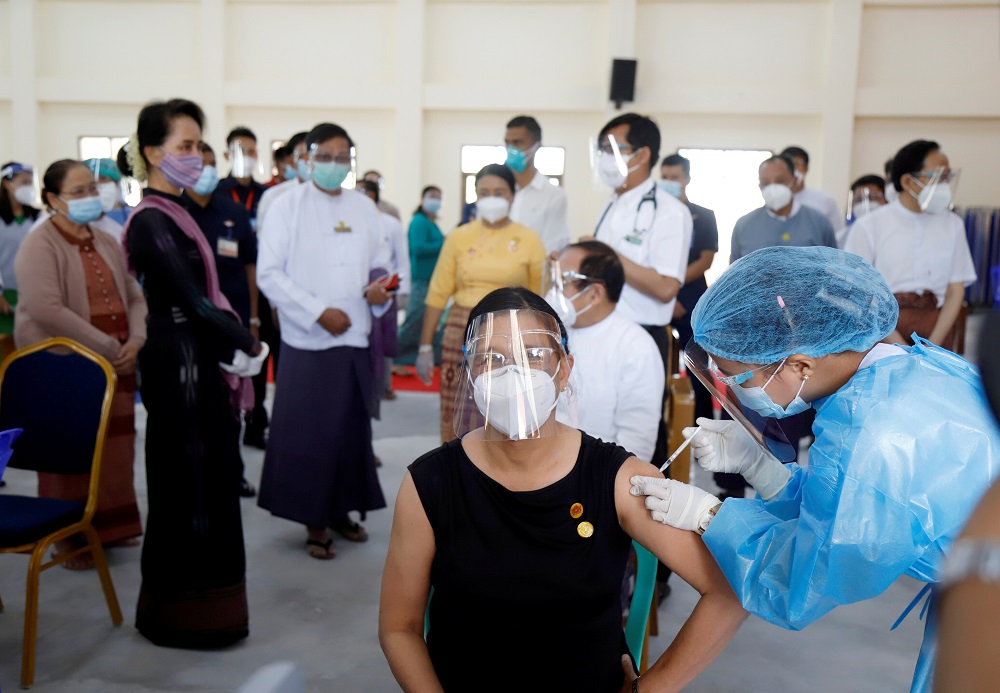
column 414, row 80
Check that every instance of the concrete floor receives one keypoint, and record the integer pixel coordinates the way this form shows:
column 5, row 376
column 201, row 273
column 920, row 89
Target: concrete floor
column 322, row 615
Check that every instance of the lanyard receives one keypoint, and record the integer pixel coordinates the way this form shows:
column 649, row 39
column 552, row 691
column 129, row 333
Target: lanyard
column 650, row 196
column 249, row 202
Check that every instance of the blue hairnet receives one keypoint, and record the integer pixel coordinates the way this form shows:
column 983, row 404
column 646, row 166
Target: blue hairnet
column 785, row 300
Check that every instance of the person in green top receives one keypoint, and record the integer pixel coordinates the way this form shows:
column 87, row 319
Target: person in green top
column 425, row 241
column 17, row 215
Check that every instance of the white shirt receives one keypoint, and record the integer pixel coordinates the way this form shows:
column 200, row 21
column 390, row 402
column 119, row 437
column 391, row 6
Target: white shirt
column 822, row 203
column 914, row 251
column 652, row 234
column 270, row 195
column 617, row 381
column 541, row 207
column 394, row 251
column 305, row 265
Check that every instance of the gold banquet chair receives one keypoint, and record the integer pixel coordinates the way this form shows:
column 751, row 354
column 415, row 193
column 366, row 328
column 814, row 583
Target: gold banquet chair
column 59, row 392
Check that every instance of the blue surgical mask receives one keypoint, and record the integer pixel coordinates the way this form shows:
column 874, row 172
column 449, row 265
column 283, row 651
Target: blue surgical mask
column 302, row 170
column 84, row 210
column 289, row 172
column 517, row 160
column 432, row 205
column 671, row 187
column 330, row 176
column 207, row 181
column 757, row 399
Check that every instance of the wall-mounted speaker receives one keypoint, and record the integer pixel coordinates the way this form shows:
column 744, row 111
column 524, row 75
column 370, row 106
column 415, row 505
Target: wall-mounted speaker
column 622, row 81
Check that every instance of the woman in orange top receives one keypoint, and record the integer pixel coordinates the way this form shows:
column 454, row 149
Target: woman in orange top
column 484, row 255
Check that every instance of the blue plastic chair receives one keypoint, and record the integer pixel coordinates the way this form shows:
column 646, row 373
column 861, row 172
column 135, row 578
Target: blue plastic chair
column 637, row 624
column 60, row 394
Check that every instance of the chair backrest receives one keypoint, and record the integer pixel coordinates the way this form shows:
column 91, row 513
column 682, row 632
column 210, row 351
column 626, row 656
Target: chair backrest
column 59, row 392
column 642, row 601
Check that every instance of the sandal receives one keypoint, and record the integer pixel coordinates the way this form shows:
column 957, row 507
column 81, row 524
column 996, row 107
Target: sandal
column 352, row 531
column 326, row 551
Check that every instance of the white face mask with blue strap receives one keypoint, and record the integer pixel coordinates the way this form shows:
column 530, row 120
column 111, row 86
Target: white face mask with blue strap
column 757, row 399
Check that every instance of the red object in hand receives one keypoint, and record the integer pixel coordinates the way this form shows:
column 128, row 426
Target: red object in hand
column 389, row 283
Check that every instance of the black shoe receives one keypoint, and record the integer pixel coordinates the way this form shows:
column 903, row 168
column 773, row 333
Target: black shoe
column 255, row 440
column 247, row 490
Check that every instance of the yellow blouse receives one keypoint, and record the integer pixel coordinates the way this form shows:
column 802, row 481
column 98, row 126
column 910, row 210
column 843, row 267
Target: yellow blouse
column 476, row 260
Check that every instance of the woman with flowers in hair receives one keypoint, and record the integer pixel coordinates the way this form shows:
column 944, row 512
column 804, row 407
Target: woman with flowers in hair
column 192, row 375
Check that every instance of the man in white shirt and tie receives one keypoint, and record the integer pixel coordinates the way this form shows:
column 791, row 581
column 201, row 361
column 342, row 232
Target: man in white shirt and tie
column 648, row 228
column 314, row 261
column 538, row 204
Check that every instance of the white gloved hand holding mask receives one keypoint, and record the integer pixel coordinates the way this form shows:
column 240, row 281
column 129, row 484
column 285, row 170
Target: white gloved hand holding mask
column 245, row 365
column 725, row 446
column 675, row 503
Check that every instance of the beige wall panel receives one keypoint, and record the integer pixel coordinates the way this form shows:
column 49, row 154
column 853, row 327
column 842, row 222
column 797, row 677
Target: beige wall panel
column 5, row 30
column 921, row 48
column 739, row 45
column 133, row 40
column 6, row 132
column 372, row 132
column 972, row 144
column 529, row 43
column 61, row 125
column 324, row 44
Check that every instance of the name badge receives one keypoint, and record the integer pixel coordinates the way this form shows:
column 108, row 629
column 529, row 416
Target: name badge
column 228, row 248
column 634, row 240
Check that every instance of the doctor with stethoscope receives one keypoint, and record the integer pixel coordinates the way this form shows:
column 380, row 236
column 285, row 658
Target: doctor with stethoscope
column 648, row 228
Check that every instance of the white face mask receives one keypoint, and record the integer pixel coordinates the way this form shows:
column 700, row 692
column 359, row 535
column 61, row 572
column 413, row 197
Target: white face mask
column 25, row 194
column 936, row 199
column 608, row 172
column 243, row 166
column 492, row 209
column 519, row 400
column 564, row 308
column 776, row 196
column 109, row 195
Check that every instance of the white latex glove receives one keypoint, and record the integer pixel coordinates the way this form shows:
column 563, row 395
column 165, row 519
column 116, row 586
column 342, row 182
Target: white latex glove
column 245, row 365
column 675, row 503
column 425, row 366
column 402, row 301
column 725, row 446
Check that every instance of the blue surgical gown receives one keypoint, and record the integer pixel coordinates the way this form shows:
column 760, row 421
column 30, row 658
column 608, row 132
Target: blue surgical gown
column 903, row 452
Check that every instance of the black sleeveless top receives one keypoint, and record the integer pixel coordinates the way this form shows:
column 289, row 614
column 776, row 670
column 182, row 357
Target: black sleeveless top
column 524, row 599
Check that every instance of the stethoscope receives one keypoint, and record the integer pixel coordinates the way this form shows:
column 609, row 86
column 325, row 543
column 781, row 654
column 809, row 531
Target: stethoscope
column 637, row 235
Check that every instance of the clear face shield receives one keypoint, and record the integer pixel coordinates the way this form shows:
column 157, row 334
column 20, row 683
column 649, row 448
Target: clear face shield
column 766, row 432
column 24, row 185
column 109, row 188
column 608, row 164
column 242, row 162
column 937, row 189
column 514, row 373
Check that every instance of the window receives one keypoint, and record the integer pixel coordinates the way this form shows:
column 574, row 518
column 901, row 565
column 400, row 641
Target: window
column 550, row 161
column 98, row 147
column 725, row 181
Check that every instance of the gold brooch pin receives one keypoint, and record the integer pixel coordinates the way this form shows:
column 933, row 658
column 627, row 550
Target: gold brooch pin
column 585, row 530
column 575, row 511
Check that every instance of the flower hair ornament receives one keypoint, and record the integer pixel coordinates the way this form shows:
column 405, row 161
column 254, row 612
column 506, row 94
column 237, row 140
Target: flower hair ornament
column 135, row 160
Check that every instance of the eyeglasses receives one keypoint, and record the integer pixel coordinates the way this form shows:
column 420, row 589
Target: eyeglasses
column 570, row 277
column 734, row 380
column 940, row 175
column 481, row 357
column 321, row 157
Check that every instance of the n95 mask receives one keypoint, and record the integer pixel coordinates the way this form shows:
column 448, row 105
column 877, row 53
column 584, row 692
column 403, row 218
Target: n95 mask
column 515, row 401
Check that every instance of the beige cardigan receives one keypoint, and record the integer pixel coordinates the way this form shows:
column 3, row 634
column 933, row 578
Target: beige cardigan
column 52, row 292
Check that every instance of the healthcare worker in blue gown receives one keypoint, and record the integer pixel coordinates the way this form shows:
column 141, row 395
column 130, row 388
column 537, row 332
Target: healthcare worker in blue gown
column 905, row 441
